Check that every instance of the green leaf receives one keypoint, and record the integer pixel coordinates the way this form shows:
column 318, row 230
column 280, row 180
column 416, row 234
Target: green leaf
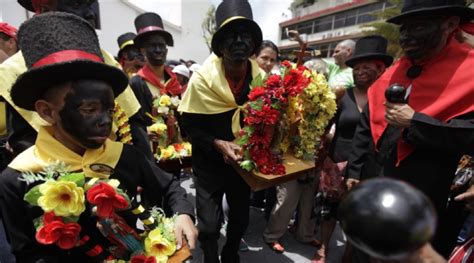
column 38, row 222
column 71, row 219
column 257, row 82
column 247, row 165
column 32, row 196
column 77, row 178
column 243, row 140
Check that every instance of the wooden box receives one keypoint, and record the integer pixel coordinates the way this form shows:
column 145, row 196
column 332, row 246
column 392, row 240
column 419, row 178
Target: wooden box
column 294, row 169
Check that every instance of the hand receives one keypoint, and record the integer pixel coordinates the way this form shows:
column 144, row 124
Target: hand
column 467, row 197
column 230, row 150
column 295, row 36
column 350, row 182
column 398, row 114
column 185, row 228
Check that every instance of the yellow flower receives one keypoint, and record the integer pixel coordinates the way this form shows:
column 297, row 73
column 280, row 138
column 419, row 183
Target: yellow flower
column 158, row 246
column 165, row 100
column 158, row 128
column 167, row 153
column 62, row 197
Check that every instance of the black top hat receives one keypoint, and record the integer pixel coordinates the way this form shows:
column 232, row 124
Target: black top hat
column 433, row 8
column 370, row 47
column 27, row 4
column 125, row 40
column 60, row 47
column 151, row 23
column 232, row 13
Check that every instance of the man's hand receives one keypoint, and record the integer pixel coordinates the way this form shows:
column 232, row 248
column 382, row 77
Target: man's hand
column 230, row 150
column 184, row 228
column 295, row 36
column 350, row 183
column 398, row 114
column 467, row 197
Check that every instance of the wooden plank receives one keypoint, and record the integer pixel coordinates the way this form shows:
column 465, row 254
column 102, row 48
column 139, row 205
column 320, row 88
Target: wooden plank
column 294, row 168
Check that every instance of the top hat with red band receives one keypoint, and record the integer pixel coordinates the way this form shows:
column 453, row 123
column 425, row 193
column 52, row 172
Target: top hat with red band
column 57, row 48
column 427, row 8
column 148, row 24
column 370, row 48
column 231, row 14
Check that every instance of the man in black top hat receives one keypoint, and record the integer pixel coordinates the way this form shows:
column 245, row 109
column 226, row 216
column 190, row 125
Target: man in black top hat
column 25, row 124
column 211, row 117
column 418, row 130
column 129, row 55
column 68, row 84
column 155, row 78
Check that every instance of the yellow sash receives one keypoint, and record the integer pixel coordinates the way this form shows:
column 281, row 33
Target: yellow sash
column 48, row 150
column 13, row 67
column 208, row 91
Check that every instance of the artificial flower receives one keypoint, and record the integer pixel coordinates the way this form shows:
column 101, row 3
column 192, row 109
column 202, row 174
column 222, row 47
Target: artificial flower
column 158, row 128
column 165, row 100
column 142, row 259
column 175, row 101
column 256, row 92
column 106, row 198
column 55, row 231
column 65, row 198
column 167, row 153
column 158, row 246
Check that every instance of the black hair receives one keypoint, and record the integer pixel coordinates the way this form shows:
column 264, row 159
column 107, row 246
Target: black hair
column 265, row 44
column 4, row 36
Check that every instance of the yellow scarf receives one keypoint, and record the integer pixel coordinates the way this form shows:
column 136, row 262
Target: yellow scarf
column 208, row 91
column 47, row 150
column 13, row 67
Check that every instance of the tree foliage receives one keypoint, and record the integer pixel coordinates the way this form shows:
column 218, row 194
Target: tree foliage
column 208, row 26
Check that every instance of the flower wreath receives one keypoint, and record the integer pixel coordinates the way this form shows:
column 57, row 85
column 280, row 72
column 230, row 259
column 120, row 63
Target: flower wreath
column 297, row 98
column 64, row 196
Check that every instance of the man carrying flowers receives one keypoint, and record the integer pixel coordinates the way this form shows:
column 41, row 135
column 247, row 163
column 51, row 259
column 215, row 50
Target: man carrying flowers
column 75, row 196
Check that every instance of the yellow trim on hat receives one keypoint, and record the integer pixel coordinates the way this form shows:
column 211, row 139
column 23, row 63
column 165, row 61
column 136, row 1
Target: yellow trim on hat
column 231, row 19
column 126, row 43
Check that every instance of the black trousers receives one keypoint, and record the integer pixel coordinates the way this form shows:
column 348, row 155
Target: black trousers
column 210, row 216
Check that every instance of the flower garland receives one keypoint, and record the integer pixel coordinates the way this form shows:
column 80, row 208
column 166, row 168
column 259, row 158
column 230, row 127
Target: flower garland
column 64, row 197
column 124, row 132
column 165, row 128
column 297, row 98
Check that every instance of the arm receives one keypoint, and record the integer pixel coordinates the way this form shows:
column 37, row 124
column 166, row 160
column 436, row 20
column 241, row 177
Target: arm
column 361, row 147
column 456, row 135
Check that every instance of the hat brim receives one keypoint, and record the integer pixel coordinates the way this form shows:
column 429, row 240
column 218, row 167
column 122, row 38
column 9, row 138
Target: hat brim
column 138, row 40
column 386, row 59
column 253, row 28
column 31, row 85
column 27, row 5
column 465, row 13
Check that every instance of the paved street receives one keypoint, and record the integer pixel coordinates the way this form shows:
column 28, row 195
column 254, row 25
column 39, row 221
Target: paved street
column 261, row 253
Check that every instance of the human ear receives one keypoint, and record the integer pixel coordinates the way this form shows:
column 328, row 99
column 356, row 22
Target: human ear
column 47, row 111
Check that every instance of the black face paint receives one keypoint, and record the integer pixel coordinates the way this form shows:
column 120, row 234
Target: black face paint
column 155, row 50
column 134, row 58
column 418, row 38
column 82, row 8
column 87, row 112
column 237, row 45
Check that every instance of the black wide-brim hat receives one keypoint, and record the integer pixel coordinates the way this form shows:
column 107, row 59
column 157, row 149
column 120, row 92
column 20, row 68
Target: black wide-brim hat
column 370, row 48
column 420, row 8
column 125, row 40
column 231, row 14
column 148, row 24
column 27, row 4
column 57, row 48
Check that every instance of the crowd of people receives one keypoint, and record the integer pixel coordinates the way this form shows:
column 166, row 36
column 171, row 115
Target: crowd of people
column 65, row 101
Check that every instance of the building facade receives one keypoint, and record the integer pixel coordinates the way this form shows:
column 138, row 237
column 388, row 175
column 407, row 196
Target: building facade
column 182, row 18
column 324, row 23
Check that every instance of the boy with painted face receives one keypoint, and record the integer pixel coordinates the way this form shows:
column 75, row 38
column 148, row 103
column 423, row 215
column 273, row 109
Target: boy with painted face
column 155, row 78
column 129, row 55
column 69, row 86
column 422, row 139
column 211, row 117
column 25, row 124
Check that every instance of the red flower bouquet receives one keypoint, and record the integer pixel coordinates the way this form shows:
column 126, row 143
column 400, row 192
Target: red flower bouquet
column 55, row 231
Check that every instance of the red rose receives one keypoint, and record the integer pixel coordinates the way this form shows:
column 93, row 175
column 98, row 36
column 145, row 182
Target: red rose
column 106, row 199
column 143, row 259
column 56, row 232
column 256, row 92
column 273, row 81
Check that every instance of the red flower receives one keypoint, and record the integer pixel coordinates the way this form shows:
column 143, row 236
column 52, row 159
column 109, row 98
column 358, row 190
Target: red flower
column 256, row 92
column 54, row 231
column 106, row 199
column 295, row 82
column 286, row 64
column 142, row 259
column 273, row 81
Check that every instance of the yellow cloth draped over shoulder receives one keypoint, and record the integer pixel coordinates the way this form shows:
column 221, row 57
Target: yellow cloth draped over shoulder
column 208, row 91
column 48, row 150
column 13, row 67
